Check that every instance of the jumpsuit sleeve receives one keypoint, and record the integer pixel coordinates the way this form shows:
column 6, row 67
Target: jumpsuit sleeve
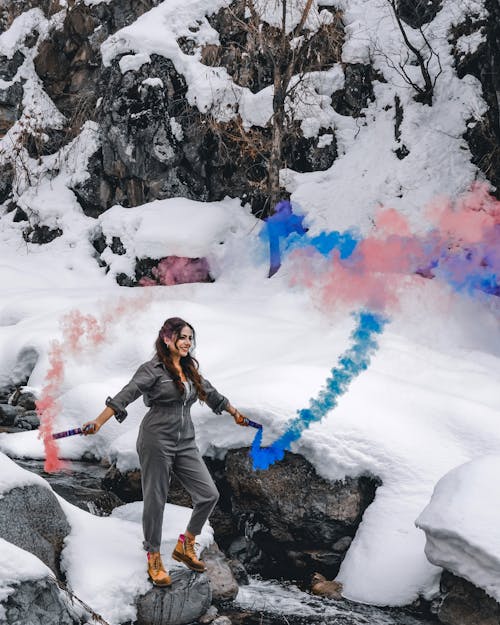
column 142, row 380
column 215, row 400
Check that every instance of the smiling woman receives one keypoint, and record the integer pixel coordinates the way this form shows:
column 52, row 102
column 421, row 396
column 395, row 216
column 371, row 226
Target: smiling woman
column 170, row 383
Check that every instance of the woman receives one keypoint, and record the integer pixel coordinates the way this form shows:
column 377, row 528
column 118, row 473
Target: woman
column 170, row 383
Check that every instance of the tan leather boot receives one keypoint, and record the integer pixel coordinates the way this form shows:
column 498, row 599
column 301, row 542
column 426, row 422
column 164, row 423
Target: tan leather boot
column 184, row 552
column 156, row 570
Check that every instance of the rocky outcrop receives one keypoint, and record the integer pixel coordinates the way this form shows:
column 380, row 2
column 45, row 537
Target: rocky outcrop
column 483, row 61
column 184, row 601
column 42, row 602
column 287, row 530
column 462, row 603
column 267, row 521
column 32, row 519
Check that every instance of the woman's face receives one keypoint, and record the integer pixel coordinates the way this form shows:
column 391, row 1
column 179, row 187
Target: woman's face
column 181, row 345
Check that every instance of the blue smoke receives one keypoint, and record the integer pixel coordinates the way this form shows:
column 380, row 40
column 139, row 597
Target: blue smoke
column 355, row 360
column 285, row 232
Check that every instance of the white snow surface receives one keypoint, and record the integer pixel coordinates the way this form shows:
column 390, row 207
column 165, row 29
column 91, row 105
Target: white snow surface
column 429, row 401
column 461, row 523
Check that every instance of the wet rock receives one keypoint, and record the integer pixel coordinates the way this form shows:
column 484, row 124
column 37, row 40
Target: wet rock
column 42, row 602
column 184, row 601
column 462, row 603
column 222, row 581
column 32, row 518
column 239, row 572
column 222, row 620
column 326, row 588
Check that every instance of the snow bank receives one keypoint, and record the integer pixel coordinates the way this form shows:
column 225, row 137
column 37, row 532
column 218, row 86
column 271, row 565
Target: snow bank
column 461, row 523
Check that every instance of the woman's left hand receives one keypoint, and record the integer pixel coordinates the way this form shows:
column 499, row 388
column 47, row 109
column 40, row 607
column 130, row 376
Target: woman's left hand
column 240, row 419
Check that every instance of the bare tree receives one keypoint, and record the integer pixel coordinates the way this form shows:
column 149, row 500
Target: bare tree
column 292, row 54
column 423, row 56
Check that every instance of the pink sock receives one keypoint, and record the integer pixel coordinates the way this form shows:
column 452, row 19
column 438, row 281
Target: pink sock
column 182, row 538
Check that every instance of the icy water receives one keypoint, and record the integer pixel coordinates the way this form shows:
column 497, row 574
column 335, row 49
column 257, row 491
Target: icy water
column 262, row 602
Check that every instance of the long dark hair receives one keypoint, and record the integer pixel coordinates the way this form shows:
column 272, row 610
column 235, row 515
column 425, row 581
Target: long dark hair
column 171, row 330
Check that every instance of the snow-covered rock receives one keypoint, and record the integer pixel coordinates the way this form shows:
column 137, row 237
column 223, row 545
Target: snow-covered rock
column 461, row 523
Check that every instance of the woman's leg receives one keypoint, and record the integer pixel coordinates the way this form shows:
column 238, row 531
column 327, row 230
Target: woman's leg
column 155, row 477
column 196, row 479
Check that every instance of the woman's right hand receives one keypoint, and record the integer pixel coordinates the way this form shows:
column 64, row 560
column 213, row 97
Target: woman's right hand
column 91, row 427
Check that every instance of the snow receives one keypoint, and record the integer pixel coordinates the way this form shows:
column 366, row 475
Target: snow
column 428, row 403
column 17, row 566
column 12, row 476
column 461, row 523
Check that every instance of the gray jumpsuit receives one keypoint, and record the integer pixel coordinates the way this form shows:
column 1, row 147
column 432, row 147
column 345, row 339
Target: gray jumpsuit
column 166, row 444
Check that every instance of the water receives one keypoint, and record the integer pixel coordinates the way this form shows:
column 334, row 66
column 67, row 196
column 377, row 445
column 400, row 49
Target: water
column 281, row 603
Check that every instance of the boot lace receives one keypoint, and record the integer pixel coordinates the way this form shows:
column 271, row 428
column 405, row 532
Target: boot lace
column 189, row 546
column 155, row 562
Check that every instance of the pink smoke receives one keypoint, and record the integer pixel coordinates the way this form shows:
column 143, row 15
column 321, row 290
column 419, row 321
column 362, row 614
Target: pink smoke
column 461, row 242
column 178, row 270
column 81, row 333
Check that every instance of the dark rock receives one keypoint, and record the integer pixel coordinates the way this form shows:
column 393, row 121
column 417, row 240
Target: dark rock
column 222, row 581
column 462, row 603
column 8, row 414
column 239, row 572
column 127, row 486
column 483, row 136
column 20, row 215
column 42, row 602
column 357, row 91
column 26, row 400
column 185, row 601
column 10, row 106
column 9, row 66
column 41, row 234
column 32, row 518
column 27, row 421
column 293, row 527
column 416, row 13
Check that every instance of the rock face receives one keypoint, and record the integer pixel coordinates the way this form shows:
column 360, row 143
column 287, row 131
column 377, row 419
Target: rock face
column 286, row 521
column 32, row 519
column 462, row 603
column 293, row 522
column 42, row 602
column 483, row 136
column 187, row 599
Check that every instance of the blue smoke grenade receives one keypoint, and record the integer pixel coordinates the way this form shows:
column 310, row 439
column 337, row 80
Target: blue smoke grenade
column 354, row 361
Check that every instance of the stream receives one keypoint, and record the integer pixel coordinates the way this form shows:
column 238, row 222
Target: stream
column 261, row 602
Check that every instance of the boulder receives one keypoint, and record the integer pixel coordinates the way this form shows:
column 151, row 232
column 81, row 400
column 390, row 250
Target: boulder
column 288, row 530
column 8, row 414
column 42, row 602
column 27, row 420
column 462, row 603
column 184, row 601
column 32, row 518
column 222, row 580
